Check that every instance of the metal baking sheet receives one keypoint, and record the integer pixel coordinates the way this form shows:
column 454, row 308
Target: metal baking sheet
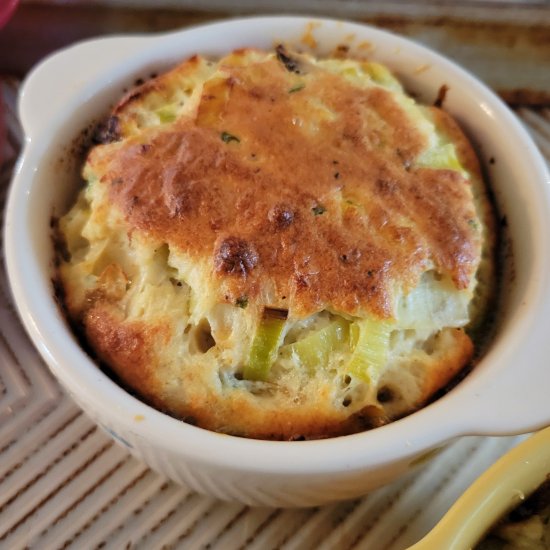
column 64, row 484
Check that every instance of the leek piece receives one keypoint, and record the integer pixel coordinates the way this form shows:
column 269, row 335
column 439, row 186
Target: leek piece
column 381, row 75
column 433, row 304
column 370, row 340
column 265, row 346
column 314, row 350
column 442, row 157
column 166, row 114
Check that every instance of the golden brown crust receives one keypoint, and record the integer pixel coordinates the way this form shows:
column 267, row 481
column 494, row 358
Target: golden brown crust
column 468, row 159
column 130, row 351
column 354, row 201
column 131, row 348
column 272, row 182
column 449, row 361
column 412, row 387
column 240, row 415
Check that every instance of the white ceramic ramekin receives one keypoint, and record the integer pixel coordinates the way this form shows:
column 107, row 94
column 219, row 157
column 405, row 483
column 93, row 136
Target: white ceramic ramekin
column 507, row 393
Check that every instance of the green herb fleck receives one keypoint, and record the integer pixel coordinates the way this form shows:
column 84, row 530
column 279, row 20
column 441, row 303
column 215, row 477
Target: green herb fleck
column 318, row 210
column 166, row 116
column 473, row 224
column 242, row 301
column 227, row 137
column 296, row 88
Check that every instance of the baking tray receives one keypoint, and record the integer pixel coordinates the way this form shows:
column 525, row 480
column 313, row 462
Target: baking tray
column 64, row 484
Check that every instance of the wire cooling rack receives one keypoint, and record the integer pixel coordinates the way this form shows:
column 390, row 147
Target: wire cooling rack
column 64, row 484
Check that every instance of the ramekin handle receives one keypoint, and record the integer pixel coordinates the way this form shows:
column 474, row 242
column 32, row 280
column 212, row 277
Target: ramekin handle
column 516, row 400
column 43, row 96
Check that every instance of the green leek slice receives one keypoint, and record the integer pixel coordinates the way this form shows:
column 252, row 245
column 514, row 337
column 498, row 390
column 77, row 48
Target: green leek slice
column 442, row 157
column 370, row 340
column 314, row 350
column 381, row 75
column 167, row 114
column 265, row 346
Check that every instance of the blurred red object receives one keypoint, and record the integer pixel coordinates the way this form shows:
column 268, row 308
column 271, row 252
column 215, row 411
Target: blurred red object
column 7, row 7
column 2, row 129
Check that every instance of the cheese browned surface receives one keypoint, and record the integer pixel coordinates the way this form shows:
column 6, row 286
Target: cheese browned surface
column 270, row 182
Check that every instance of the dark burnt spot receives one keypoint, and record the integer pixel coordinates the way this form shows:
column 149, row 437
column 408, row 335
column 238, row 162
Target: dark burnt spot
column 215, row 224
column 351, row 257
column 441, row 95
column 109, row 131
column 504, row 222
column 242, row 301
column 492, row 160
column 59, row 294
column 290, row 64
column 275, row 313
column 281, row 216
column 62, row 253
column 318, row 210
column 301, row 281
column 385, row 395
column 341, row 51
column 226, row 137
column 386, row 187
column 134, row 201
column 144, row 148
column 133, row 96
column 236, row 257
column 190, row 420
column 79, row 146
column 369, row 418
column 139, row 82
